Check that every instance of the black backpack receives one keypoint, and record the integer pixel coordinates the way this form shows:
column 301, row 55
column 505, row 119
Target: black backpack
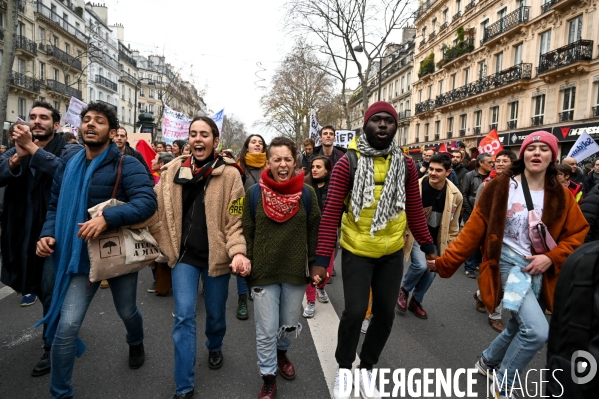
column 575, row 326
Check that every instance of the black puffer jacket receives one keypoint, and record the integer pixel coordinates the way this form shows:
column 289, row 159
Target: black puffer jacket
column 590, row 210
column 470, row 183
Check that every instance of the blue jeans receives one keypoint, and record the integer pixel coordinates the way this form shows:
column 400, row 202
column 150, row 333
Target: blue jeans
column 277, row 308
column 418, row 279
column 525, row 333
column 242, row 286
column 72, row 313
column 46, row 291
column 186, row 279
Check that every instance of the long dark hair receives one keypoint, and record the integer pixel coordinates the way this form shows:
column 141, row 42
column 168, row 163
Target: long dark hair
column 181, row 145
column 518, row 168
column 244, row 149
column 327, row 165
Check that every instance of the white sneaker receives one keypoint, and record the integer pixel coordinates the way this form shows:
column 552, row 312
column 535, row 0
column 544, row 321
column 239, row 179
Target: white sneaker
column 309, row 310
column 341, row 384
column 322, row 295
column 368, row 385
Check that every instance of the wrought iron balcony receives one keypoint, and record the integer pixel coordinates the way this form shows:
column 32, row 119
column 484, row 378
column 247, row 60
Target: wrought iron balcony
column 126, row 77
column 566, row 116
column 26, row 44
column 129, row 60
column 422, row 43
column 106, row 83
column 456, row 16
column 417, row 139
column 60, row 88
column 506, row 23
column 425, row 106
column 462, row 132
column 421, row 10
column 429, row 69
column 545, row 7
column 477, row 130
column 581, row 50
column 60, row 55
column 443, row 26
column 405, row 114
column 432, row 35
column 511, row 125
column 449, row 135
column 25, row 82
column 58, row 20
column 596, row 111
column 470, row 6
column 436, row 136
column 537, row 120
column 486, row 83
column 426, row 138
column 453, row 52
column 493, row 126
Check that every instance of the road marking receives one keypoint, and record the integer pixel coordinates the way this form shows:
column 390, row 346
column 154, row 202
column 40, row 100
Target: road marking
column 324, row 326
column 5, row 291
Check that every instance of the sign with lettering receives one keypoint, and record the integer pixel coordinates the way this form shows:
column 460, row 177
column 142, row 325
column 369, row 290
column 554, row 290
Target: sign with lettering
column 175, row 125
column 342, row 137
column 490, row 144
column 584, row 147
column 72, row 117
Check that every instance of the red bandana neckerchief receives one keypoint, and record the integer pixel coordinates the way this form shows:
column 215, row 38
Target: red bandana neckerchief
column 281, row 200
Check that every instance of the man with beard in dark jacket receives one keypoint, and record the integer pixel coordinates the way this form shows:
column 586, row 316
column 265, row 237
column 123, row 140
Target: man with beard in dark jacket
column 458, row 166
column 27, row 170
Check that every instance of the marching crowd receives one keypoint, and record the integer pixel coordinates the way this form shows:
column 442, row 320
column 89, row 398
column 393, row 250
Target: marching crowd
column 274, row 218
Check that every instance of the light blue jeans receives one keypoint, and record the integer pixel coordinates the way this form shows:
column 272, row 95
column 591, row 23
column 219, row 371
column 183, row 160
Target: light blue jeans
column 525, row 333
column 418, row 279
column 277, row 308
column 186, row 279
column 72, row 313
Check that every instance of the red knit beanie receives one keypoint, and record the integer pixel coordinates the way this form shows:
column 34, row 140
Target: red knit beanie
column 379, row 106
column 541, row 136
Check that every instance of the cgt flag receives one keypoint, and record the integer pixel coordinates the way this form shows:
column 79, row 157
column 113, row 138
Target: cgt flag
column 584, row 147
column 490, row 144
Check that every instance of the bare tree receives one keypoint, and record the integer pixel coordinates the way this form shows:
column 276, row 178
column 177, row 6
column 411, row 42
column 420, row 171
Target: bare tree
column 347, row 27
column 9, row 34
column 296, row 87
column 233, row 133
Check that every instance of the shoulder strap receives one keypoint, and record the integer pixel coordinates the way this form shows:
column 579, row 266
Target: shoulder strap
column 306, row 198
column 119, row 171
column 352, row 157
column 527, row 197
column 254, row 197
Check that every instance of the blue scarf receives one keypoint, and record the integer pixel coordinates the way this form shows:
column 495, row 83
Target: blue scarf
column 68, row 256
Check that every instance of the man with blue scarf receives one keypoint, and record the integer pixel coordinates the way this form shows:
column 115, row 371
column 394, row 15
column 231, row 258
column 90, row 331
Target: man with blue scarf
column 89, row 179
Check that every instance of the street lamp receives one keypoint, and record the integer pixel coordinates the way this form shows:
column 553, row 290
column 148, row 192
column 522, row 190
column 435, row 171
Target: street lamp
column 137, row 86
column 360, row 49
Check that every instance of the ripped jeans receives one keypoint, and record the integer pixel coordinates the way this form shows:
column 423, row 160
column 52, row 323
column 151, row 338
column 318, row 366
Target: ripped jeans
column 277, row 308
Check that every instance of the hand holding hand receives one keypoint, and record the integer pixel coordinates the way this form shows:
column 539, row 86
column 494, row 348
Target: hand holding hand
column 92, row 228
column 432, row 267
column 318, row 274
column 241, row 265
column 539, row 264
column 44, row 247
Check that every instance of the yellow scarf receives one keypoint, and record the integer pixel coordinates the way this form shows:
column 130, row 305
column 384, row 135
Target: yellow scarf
column 255, row 160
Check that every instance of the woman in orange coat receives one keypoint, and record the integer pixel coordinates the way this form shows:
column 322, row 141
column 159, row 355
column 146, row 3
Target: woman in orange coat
column 501, row 215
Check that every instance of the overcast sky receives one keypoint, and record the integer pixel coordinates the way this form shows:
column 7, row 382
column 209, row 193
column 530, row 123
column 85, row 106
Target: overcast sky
column 213, row 43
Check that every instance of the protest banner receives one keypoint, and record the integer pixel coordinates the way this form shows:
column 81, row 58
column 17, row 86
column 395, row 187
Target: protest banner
column 490, row 144
column 584, row 147
column 134, row 138
column 342, row 137
column 72, row 118
column 175, row 125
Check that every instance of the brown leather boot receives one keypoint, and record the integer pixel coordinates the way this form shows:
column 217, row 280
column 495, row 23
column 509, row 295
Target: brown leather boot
column 269, row 388
column 402, row 300
column 480, row 306
column 496, row 325
column 417, row 309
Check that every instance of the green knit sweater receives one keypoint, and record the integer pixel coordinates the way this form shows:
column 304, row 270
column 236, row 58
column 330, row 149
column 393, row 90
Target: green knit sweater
column 278, row 250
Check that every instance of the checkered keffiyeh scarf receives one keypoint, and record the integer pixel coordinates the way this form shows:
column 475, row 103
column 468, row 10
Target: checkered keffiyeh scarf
column 393, row 198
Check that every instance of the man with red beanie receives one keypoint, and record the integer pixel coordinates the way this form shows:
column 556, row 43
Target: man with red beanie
column 383, row 198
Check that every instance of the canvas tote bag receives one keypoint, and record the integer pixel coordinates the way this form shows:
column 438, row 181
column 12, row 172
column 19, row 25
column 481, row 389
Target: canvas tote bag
column 122, row 250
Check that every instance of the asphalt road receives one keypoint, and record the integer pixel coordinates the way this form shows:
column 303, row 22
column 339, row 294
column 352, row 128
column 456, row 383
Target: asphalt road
column 452, row 337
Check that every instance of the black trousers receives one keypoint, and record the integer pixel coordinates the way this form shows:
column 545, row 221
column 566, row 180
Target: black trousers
column 359, row 274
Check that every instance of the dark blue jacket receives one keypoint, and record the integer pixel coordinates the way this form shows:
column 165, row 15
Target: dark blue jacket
column 135, row 188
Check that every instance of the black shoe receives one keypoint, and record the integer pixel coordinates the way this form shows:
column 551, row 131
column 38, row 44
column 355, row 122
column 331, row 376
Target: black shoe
column 470, row 274
column 215, row 360
column 43, row 366
column 185, row 395
column 137, row 356
column 242, row 307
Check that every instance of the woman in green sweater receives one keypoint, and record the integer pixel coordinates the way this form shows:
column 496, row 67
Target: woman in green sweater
column 281, row 236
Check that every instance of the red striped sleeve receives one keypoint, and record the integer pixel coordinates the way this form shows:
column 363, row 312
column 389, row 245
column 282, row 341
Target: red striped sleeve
column 415, row 212
column 333, row 209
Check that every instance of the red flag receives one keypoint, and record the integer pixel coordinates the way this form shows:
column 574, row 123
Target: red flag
column 490, row 144
column 442, row 148
column 146, row 151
